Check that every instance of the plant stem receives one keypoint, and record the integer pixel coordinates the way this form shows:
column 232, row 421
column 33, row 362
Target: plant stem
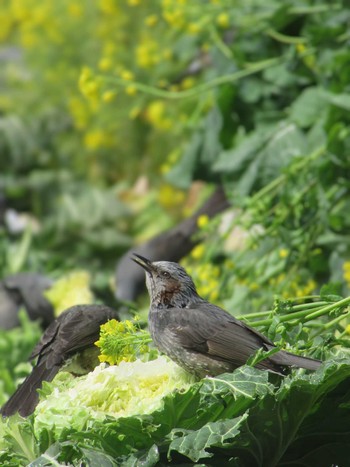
column 303, row 306
column 305, row 313
column 195, row 91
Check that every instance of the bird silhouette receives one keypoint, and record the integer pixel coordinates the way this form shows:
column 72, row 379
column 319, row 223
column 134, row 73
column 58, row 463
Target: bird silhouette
column 201, row 337
column 25, row 289
column 71, row 335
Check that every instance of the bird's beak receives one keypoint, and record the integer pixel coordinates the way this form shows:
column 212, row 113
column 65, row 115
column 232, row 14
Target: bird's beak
column 143, row 262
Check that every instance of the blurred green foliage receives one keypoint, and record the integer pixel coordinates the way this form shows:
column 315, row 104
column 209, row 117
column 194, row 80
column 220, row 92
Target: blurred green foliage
column 15, row 347
column 254, row 96
column 111, row 109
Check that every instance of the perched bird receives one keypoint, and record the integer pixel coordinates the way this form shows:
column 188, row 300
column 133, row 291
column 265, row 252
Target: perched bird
column 175, row 243
column 70, row 337
column 25, row 289
column 203, row 338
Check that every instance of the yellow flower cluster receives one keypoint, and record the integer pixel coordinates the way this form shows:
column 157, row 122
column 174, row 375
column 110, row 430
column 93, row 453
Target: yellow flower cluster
column 122, row 341
column 205, row 275
column 346, row 272
column 203, row 221
column 121, row 36
column 148, row 53
column 88, row 84
column 7, row 24
column 156, row 115
column 71, row 289
column 171, row 197
column 78, row 108
column 95, row 139
column 296, row 288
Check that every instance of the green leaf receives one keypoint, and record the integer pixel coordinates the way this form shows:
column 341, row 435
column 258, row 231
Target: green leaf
column 331, row 292
column 339, row 100
column 201, row 152
column 141, row 459
column 182, row 174
column 195, row 444
column 262, row 156
column 236, row 159
column 308, row 107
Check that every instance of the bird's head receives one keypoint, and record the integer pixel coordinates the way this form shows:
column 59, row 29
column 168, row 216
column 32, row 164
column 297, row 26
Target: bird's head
column 168, row 283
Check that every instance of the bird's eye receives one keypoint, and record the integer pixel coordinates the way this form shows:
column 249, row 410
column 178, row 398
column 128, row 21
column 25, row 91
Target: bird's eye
column 165, row 274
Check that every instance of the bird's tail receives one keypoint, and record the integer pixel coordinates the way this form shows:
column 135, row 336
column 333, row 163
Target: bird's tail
column 295, row 361
column 26, row 397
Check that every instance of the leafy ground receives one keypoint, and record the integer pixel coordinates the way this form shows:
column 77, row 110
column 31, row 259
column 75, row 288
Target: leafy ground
column 119, row 113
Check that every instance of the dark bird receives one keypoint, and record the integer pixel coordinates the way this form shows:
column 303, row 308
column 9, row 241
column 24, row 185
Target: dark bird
column 68, row 340
column 174, row 244
column 203, row 338
column 25, row 290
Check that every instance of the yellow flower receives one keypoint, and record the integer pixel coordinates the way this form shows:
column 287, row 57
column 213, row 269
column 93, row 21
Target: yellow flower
column 171, row 197
column 347, row 329
column 223, row 20
column 97, row 138
column 155, row 115
column 109, row 7
column 151, row 20
column 6, row 26
column 87, row 84
column 198, row 251
column 127, row 75
column 147, row 52
column 134, row 112
column 79, row 112
column 283, row 253
column 134, row 2
column 193, row 28
column 91, row 89
column 105, row 64
column 85, row 75
column 300, row 48
column 75, row 10
column 346, row 274
column 108, row 96
column 202, row 221
column 188, row 82
column 174, row 18
column 131, row 90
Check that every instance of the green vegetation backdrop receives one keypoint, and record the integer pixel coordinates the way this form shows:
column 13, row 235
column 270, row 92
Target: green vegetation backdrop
column 114, row 113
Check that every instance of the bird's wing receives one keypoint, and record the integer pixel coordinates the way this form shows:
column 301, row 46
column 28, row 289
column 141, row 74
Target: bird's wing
column 46, row 339
column 79, row 329
column 212, row 331
column 75, row 329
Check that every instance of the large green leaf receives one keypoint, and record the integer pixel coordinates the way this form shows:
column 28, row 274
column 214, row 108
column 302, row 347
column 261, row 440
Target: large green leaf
column 308, row 107
column 239, row 415
column 195, row 444
column 261, row 156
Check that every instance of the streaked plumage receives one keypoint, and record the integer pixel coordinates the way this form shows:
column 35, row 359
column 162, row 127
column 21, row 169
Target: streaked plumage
column 202, row 337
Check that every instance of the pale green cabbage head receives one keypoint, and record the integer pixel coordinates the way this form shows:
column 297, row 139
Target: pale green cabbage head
column 125, row 390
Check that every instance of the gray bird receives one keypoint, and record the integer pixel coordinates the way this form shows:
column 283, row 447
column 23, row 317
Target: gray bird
column 68, row 340
column 175, row 243
column 25, row 289
column 203, row 338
